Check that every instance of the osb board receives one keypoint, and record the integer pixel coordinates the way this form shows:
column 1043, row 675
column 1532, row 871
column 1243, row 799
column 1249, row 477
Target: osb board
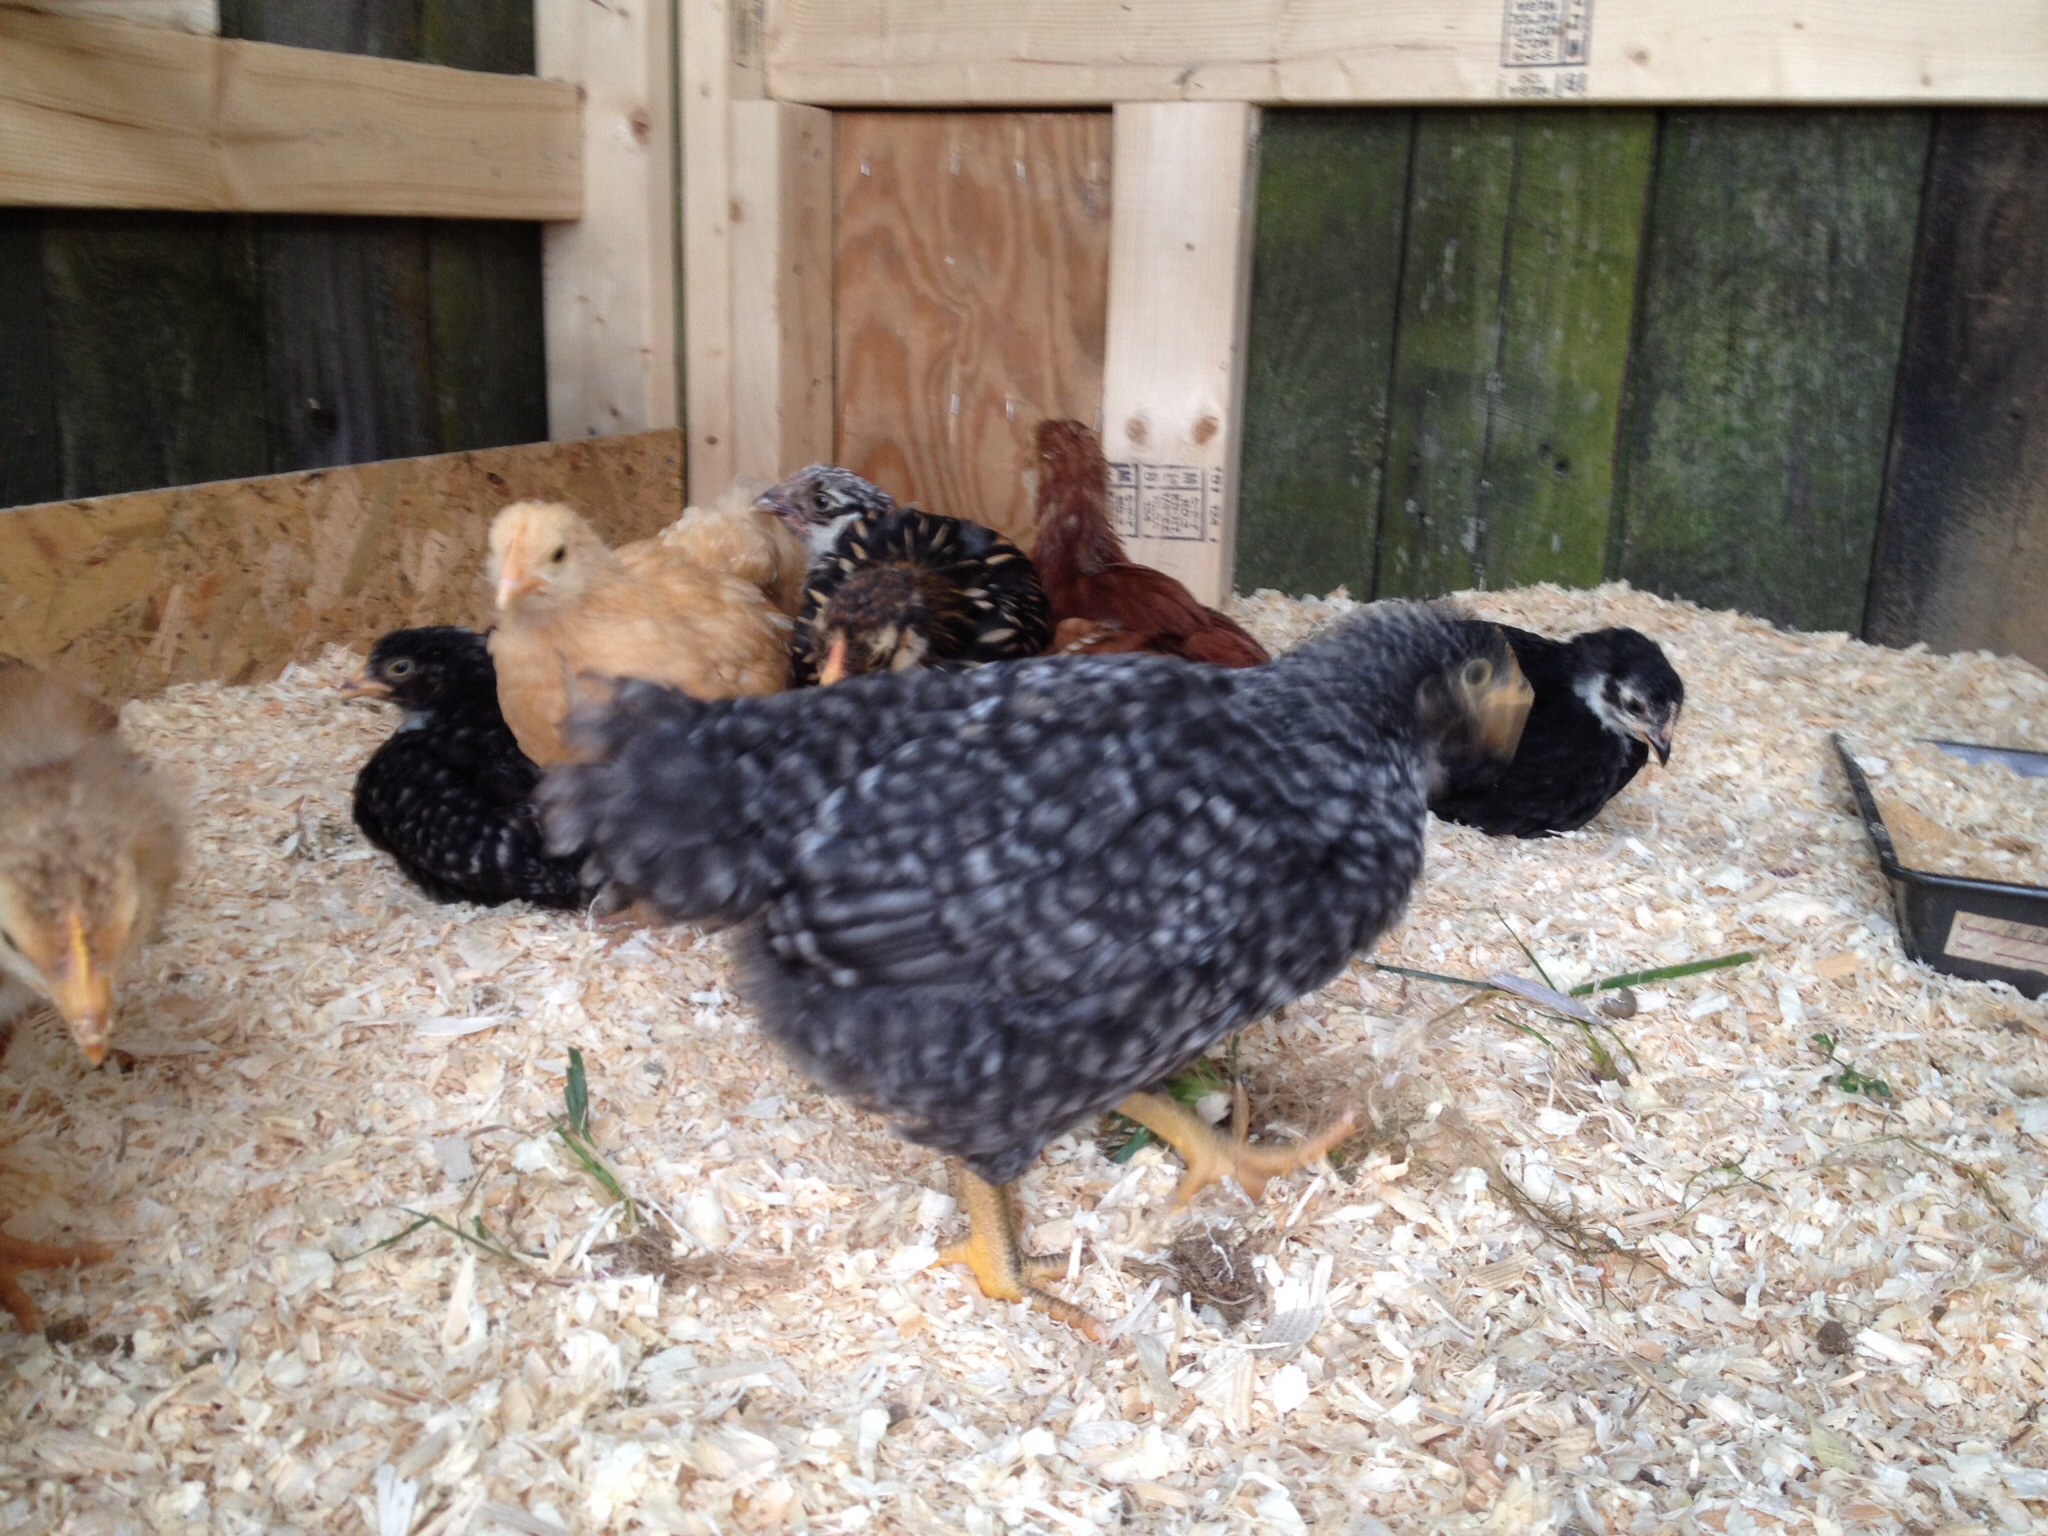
column 971, row 284
column 230, row 581
column 319, row 1050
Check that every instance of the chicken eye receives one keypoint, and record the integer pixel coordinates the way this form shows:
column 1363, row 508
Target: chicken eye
column 561, row 553
column 399, row 668
column 821, row 501
column 1477, row 673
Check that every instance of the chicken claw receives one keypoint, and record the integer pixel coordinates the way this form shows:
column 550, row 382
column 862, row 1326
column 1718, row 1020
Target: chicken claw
column 17, row 1255
column 1000, row 1269
column 1211, row 1156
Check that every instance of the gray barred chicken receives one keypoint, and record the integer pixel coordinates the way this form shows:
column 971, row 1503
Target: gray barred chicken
column 992, row 904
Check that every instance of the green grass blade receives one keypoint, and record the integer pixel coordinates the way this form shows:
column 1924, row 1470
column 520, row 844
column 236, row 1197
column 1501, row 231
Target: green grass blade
column 1452, row 981
column 1663, row 973
column 1529, row 953
column 576, row 1094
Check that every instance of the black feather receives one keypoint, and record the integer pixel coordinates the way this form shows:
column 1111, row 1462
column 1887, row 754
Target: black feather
column 982, row 598
column 450, row 795
column 992, row 903
column 1570, row 763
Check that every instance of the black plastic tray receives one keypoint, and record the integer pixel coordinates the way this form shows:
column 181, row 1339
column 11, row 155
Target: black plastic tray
column 1981, row 930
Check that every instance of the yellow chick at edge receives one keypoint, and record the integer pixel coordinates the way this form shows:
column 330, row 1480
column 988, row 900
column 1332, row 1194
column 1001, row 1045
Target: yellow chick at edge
column 735, row 536
column 572, row 614
column 90, row 843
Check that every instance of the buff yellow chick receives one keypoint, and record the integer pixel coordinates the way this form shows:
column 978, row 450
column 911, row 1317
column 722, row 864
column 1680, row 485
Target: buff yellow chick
column 573, row 614
column 742, row 539
column 90, row 843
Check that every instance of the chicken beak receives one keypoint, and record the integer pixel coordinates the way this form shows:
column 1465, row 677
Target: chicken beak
column 84, row 995
column 363, row 686
column 516, row 583
column 835, row 664
column 1501, row 704
column 1659, row 738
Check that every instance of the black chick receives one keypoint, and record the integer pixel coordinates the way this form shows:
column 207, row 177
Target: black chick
column 450, row 795
column 991, row 904
column 906, row 588
column 1604, row 699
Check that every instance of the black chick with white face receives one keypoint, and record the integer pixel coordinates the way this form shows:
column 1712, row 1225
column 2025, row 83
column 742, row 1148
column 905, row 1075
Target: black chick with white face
column 450, row 795
column 819, row 500
column 993, row 903
column 1604, row 701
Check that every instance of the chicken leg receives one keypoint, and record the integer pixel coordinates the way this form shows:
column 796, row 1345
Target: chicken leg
column 17, row 1255
column 997, row 1261
column 1210, row 1155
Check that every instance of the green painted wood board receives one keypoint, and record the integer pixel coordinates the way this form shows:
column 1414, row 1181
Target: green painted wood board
column 31, row 459
column 1779, row 256
column 1326, row 272
column 1962, row 553
column 1445, row 351
column 1516, row 307
column 156, row 323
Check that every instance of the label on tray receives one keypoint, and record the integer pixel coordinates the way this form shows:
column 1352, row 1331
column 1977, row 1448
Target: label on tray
column 1994, row 941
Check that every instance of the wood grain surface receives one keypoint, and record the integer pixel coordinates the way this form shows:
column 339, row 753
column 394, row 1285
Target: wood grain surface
column 102, row 115
column 1326, row 280
column 971, row 283
column 231, row 581
column 1962, row 557
column 1774, row 304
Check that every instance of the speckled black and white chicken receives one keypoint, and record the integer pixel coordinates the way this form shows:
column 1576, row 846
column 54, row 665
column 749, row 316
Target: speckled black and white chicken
column 450, row 795
column 992, row 904
column 890, row 588
column 1603, row 701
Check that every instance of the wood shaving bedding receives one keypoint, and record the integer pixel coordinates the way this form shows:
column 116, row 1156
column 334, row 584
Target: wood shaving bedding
column 1948, row 816
column 1722, row 1294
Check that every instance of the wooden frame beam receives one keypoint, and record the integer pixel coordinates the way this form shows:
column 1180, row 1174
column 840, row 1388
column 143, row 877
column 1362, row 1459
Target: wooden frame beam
column 989, row 53
column 1184, row 180
column 757, row 260
column 610, row 277
column 98, row 114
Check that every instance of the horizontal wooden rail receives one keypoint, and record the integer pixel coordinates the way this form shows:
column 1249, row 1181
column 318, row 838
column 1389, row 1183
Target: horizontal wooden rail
column 103, row 115
column 1088, row 53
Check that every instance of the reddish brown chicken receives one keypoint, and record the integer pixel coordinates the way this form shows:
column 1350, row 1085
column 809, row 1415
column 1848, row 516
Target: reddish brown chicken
column 1081, row 562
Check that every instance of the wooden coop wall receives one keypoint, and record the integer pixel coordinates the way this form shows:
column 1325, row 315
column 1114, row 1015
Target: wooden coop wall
column 1778, row 360
column 1781, row 361
column 149, row 349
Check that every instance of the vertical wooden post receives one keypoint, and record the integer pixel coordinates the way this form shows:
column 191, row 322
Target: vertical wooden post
column 708, row 82
column 1185, row 178
column 610, row 276
column 781, row 253
column 757, row 259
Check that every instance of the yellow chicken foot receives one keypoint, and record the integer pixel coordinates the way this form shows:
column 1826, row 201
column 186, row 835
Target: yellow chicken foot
column 1210, row 1155
column 16, row 1256
column 992, row 1253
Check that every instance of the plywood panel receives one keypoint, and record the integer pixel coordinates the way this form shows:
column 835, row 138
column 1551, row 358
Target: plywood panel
column 1403, row 52
column 971, row 285
column 1962, row 558
column 1774, row 304
column 233, row 580
column 1326, row 276
column 101, row 115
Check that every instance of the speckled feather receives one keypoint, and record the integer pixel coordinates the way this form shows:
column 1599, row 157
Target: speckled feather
column 989, row 904
column 1569, row 764
column 1001, row 614
column 450, row 795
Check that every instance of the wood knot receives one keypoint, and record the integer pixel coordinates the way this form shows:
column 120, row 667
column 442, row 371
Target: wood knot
column 641, row 124
column 1205, row 429
column 1137, row 432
